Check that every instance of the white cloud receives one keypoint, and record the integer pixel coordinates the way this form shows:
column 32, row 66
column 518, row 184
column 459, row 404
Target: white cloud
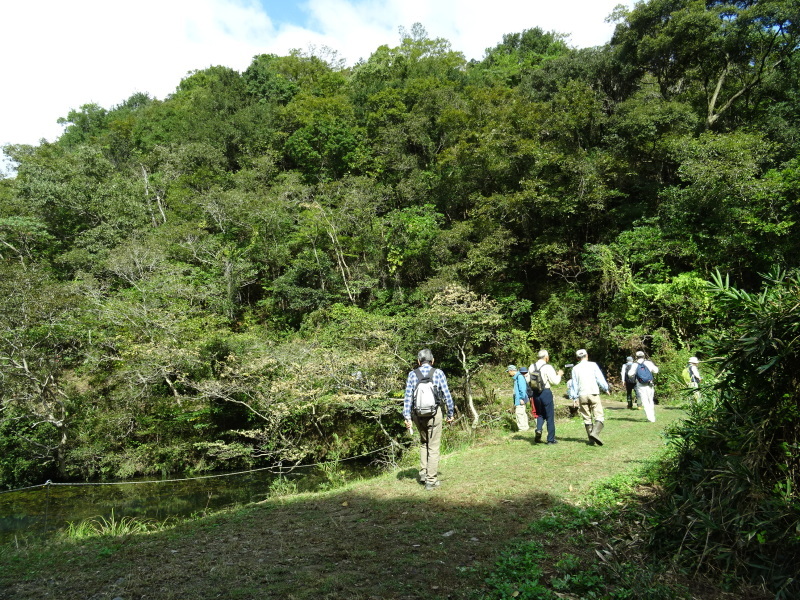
column 67, row 53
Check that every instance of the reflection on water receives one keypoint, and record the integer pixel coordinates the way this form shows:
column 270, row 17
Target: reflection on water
column 45, row 510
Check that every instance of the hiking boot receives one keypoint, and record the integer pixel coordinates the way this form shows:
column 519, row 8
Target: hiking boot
column 538, row 437
column 432, row 485
column 595, row 432
column 589, row 433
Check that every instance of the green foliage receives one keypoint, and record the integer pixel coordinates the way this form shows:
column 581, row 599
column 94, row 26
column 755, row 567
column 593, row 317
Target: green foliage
column 111, row 527
column 266, row 82
column 729, row 47
column 565, row 563
column 731, row 499
column 194, row 282
column 282, row 487
column 517, row 573
column 519, row 52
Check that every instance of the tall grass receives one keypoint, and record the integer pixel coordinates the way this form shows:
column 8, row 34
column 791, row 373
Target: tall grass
column 112, row 527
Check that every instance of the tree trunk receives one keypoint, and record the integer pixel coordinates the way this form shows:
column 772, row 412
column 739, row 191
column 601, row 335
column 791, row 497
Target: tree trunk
column 473, row 411
column 468, row 386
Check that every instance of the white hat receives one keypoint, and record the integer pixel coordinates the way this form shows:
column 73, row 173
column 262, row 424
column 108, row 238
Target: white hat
column 694, row 360
column 581, row 353
column 639, row 353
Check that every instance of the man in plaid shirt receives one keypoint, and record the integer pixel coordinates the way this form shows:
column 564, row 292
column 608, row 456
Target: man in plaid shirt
column 430, row 427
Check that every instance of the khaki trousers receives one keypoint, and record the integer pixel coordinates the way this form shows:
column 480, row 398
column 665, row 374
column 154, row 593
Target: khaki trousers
column 521, row 412
column 430, row 438
column 590, row 406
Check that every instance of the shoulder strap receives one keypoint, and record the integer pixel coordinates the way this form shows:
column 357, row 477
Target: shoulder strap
column 545, row 378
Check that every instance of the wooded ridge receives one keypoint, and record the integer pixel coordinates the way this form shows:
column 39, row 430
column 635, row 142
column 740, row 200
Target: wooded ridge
column 243, row 272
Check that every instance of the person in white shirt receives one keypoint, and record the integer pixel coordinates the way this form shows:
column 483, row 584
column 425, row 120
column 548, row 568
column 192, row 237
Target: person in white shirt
column 644, row 389
column 589, row 381
column 629, row 385
column 545, row 409
column 694, row 376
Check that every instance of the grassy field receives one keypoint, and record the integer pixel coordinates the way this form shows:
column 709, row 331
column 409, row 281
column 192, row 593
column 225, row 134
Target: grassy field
column 382, row 538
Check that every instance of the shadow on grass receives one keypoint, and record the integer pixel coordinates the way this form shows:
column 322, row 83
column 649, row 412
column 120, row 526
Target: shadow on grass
column 408, row 474
column 559, row 438
column 365, row 543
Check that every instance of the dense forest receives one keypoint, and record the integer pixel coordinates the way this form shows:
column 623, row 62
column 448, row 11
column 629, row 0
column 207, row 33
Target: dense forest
column 242, row 272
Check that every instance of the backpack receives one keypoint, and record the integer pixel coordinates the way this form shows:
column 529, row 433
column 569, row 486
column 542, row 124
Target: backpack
column 643, row 374
column 528, row 391
column 686, row 375
column 425, row 396
column 537, row 381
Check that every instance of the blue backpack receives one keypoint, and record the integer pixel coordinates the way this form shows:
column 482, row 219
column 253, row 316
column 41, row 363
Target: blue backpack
column 643, row 374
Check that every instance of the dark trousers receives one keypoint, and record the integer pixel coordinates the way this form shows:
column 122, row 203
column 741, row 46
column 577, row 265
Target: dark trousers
column 629, row 387
column 546, row 412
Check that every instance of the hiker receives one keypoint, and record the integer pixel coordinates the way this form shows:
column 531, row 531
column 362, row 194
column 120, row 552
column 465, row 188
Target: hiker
column 589, row 381
column 694, row 375
column 520, row 397
column 543, row 375
column 572, row 394
column 629, row 385
column 428, row 422
column 641, row 373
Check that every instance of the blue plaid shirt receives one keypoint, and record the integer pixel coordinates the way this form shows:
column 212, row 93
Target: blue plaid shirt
column 439, row 381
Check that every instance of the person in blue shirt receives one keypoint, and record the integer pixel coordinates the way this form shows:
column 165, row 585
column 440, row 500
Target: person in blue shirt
column 429, row 427
column 520, row 397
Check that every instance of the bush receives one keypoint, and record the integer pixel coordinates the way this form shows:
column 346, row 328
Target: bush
column 731, row 502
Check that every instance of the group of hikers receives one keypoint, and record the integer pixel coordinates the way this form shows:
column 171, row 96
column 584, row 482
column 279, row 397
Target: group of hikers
column 427, row 393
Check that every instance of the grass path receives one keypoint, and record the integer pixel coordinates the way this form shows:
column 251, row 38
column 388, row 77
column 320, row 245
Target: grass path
column 382, row 538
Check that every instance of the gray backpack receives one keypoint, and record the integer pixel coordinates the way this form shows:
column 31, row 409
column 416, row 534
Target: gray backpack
column 426, row 399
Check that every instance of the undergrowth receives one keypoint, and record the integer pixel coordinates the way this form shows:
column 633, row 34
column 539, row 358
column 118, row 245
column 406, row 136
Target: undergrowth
column 114, row 527
column 597, row 551
column 731, row 506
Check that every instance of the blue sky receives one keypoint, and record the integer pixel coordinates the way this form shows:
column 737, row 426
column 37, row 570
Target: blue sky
column 284, row 11
column 61, row 54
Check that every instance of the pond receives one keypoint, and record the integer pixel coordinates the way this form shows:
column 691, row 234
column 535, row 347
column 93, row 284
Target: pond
column 48, row 509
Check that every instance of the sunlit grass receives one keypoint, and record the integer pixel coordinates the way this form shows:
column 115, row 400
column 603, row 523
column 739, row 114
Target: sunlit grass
column 113, row 527
column 325, row 544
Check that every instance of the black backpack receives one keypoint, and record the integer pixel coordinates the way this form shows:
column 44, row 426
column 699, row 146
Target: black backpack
column 537, row 381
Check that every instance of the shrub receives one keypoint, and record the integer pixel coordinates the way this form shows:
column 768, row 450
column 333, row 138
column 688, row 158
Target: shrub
column 731, row 500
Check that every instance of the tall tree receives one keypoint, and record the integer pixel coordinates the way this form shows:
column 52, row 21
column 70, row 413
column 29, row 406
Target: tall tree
column 724, row 48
